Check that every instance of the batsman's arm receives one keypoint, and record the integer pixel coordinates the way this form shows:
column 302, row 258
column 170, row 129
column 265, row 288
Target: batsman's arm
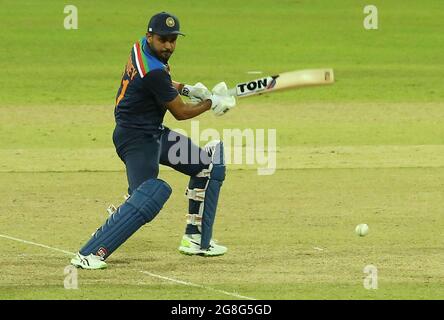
column 179, row 86
column 182, row 111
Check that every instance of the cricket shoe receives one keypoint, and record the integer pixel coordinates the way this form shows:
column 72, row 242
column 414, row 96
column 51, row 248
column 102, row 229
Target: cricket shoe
column 190, row 245
column 90, row 262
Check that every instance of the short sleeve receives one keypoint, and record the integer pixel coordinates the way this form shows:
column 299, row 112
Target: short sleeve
column 160, row 84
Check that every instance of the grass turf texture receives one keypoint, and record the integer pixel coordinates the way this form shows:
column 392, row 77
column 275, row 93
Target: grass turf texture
column 367, row 150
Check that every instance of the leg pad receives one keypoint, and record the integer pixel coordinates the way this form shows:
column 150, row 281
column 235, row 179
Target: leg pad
column 142, row 207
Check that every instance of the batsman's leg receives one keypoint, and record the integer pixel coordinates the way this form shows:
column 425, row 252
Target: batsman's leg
column 206, row 168
column 142, row 207
column 204, row 189
column 140, row 153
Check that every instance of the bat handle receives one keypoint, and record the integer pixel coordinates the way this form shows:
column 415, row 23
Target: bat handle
column 232, row 92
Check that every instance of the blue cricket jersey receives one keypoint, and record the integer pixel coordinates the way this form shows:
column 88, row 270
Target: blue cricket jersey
column 145, row 89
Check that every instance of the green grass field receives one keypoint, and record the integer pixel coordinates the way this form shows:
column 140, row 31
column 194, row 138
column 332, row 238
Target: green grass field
column 369, row 149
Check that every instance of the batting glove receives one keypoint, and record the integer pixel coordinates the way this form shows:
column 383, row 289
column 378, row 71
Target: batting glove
column 196, row 93
column 221, row 101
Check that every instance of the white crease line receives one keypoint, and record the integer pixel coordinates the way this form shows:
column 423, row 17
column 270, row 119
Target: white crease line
column 36, row 244
column 198, row 286
column 145, row 272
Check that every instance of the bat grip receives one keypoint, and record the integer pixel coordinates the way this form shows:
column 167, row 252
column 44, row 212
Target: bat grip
column 232, row 92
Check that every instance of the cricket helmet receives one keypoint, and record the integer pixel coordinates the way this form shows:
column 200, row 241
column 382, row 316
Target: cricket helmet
column 164, row 24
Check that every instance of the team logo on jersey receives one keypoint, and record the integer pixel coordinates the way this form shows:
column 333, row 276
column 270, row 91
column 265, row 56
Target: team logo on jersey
column 170, row 22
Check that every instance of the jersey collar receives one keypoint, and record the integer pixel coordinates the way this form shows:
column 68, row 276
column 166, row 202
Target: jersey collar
column 147, row 50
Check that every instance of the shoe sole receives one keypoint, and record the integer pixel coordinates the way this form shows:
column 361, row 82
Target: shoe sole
column 199, row 253
column 79, row 266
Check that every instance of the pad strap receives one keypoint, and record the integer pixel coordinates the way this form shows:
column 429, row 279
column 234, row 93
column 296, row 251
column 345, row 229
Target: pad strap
column 194, row 219
column 205, row 173
column 195, row 194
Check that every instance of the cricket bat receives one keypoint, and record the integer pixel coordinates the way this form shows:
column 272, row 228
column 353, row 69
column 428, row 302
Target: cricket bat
column 286, row 80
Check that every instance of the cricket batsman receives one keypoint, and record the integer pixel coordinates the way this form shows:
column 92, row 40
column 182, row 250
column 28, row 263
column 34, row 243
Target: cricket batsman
column 142, row 142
